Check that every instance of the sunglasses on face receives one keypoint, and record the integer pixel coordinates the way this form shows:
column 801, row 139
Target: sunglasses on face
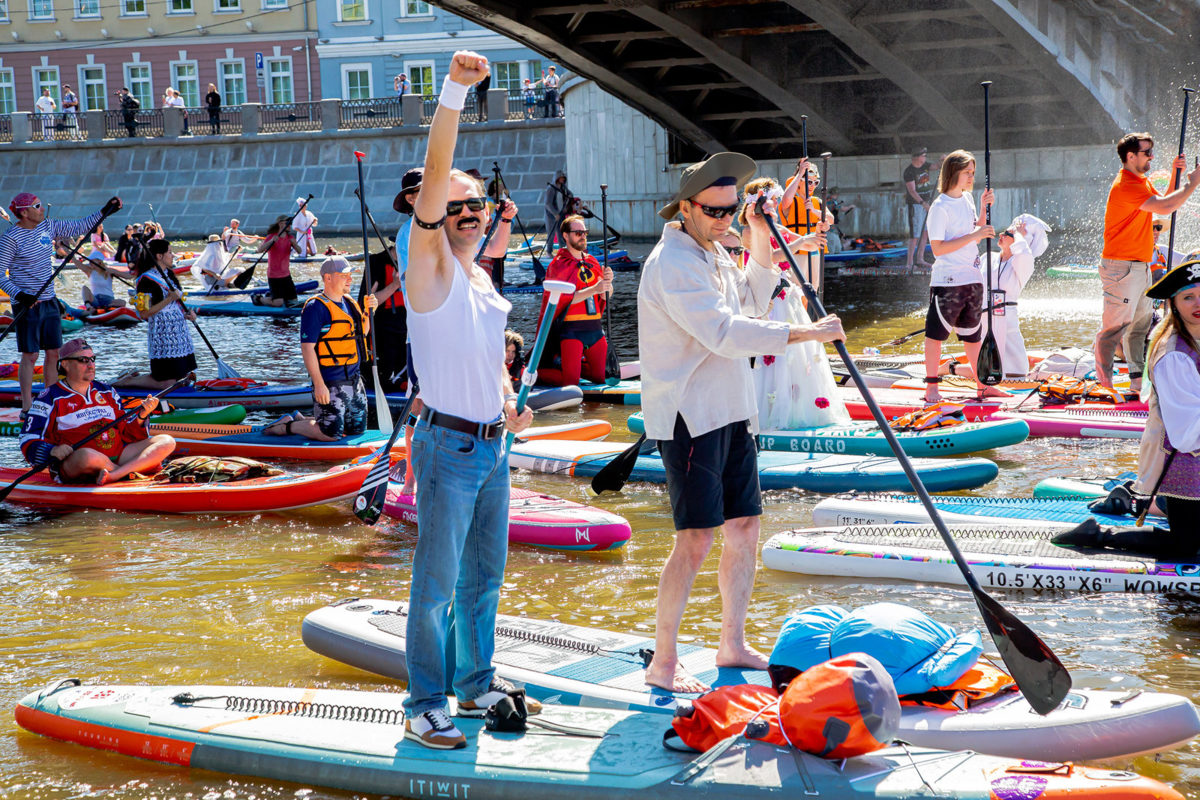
column 735, row 251
column 1148, row 153
column 455, row 207
column 80, row 359
column 35, row 205
column 1158, row 227
column 576, row 230
column 718, row 212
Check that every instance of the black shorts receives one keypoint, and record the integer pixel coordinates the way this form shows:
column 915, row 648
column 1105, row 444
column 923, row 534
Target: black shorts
column 586, row 333
column 282, row 288
column 712, row 477
column 957, row 309
column 172, row 369
column 40, row 329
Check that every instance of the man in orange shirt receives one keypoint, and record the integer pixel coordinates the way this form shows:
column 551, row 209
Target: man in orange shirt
column 1128, row 249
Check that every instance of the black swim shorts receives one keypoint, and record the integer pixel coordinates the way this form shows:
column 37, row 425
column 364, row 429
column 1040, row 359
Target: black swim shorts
column 957, row 309
column 712, row 477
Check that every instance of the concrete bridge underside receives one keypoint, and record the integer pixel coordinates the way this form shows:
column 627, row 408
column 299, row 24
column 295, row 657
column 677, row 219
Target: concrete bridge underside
column 870, row 76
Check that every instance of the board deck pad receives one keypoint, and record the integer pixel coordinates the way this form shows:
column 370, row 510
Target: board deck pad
column 871, row 508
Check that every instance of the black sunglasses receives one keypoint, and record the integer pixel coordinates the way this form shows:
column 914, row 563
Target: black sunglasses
column 718, row 212
column 735, row 251
column 455, row 207
column 80, row 359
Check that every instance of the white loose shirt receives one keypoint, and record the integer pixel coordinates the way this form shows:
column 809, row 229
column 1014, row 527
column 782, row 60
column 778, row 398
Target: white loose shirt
column 951, row 218
column 696, row 335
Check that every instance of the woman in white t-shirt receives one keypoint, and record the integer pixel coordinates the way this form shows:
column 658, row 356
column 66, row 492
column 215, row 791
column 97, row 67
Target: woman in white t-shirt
column 956, row 285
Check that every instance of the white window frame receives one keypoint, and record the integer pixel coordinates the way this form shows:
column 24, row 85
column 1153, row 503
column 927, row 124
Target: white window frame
column 404, row 13
column 366, row 17
column 47, row 18
column 4, row 10
column 189, row 12
column 514, row 87
column 82, row 70
column 8, row 80
column 149, row 102
column 175, row 80
column 80, row 14
column 125, row 12
column 55, row 90
column 291, row 73
column 221, row 77
column 274, row 5
column 412, row 84
column 357, row 67
column 218, row 10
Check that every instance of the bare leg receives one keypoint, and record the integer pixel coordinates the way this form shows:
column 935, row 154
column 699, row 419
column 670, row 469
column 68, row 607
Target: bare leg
column 25, row 378
column 86, row 462
column 50, row 368
column 140, row 456
column 410, row 484
column 933, row 357
column 678, row 575
column 919, row 254
column 912, row 246
column 299, row 425
column 739, row 561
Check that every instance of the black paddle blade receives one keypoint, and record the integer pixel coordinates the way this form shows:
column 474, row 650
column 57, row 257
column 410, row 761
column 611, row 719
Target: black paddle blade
column 368, row 505
column 244, row 277
column 989, row 370
column 1040, row 676
column 612, row 367
column 613, row 475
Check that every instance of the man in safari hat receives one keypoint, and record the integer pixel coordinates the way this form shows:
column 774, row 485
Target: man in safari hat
column 696, row 332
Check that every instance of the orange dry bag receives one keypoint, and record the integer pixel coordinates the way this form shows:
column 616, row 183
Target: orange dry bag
column 844, row 707
column 722, row 713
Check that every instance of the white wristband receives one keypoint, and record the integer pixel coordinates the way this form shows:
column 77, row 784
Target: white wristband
column 454, row 94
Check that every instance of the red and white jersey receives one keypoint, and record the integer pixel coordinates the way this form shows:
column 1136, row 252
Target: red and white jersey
column 60, row 415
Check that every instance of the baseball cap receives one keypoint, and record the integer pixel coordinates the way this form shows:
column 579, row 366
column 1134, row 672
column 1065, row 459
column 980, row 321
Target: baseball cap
column 335, row 265
column 72, row 347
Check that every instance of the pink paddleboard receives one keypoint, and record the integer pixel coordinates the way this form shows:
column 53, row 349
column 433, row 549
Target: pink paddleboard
column 1082, row 422
column 538, row 519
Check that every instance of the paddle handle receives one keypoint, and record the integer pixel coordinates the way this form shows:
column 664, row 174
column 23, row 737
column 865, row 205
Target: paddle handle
column 555, row 289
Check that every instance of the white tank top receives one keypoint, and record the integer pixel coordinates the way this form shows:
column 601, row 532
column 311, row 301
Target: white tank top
column 100, row 283
column 458, row 350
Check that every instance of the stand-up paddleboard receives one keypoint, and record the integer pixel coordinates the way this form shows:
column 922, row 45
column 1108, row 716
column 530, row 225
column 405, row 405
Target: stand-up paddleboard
column 1000, row 556
column 249, row 441
column 818, row 472
column 304, row 287
column 1080, row 486
column 118, row 317
column 143, row 495
column 548, row 398
column 856, row 255
column 573, row 665
column 874, row 509
column 272, row 396
column 625, row 392
column 354, row 741
column 1088, row 422
column 865, row 438
column 535, row 519
column 1073, row 271
column 295, row 259
column 239, row 308
column 897, row 402
column 10, row 421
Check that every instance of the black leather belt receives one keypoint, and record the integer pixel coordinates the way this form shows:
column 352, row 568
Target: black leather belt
column 481, row 430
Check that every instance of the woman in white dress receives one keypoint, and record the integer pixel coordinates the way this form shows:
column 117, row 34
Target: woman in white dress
column 1022, row 242
column 795, row 388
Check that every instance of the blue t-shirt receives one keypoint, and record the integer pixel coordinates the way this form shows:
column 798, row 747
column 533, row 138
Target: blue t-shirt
column 314, row 323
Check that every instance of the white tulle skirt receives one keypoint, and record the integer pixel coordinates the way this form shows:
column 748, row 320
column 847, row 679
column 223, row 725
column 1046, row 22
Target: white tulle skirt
column 795, row 389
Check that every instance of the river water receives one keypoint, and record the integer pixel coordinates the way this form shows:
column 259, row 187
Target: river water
column 128, row 598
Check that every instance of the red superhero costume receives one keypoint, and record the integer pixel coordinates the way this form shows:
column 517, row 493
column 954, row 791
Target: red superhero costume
column 582, row 347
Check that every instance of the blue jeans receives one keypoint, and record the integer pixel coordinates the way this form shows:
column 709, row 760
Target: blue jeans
column 462, row 545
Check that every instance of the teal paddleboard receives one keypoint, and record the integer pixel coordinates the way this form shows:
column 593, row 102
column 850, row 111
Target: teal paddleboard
column 899, row 508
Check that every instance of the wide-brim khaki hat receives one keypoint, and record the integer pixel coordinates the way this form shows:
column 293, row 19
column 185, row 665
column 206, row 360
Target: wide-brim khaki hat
column 701, row 175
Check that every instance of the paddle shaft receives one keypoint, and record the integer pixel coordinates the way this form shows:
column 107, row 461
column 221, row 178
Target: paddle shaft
column 39, row 467
column 382, row 412
column 612, row 367
column 1141, row 520
column 982, row 599
column 988, row 347
column 824, row 211
column 1187, row 96
column 491, row 231
column 18, row 315
column 500, row 185
column 555, row 289
column 807, row 195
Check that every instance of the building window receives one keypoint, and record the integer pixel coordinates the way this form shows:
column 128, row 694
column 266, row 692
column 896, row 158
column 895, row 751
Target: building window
column 186, row 79
column 41, row 9
column 137, row 78
column 233, row 82
column 87, row 8
column 420, row 74
column 352, row 10
column 356, row 81
column 93, row 88
column 4, row 10
column 416, row 8
column 279, row 80
column 507, row 76
column 8, row 91
column 227, row 6
column 180, row 7
column 133, row 8
column 46, row 78
column 274, row 5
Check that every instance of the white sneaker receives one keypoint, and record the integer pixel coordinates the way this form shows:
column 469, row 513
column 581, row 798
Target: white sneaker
column 497, row 691
column 434, row 729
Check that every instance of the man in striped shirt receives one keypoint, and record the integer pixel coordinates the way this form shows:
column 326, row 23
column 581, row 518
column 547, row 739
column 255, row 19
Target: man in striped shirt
column 26, row 275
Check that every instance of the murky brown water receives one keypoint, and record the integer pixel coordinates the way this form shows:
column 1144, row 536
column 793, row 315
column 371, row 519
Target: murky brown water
column 143, row 599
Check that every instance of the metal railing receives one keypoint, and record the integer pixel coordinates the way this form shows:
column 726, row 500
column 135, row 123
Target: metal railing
column 279, row 117
column 522, row 105
column 119, row 124
column 199, row 123
column 5, row 128
column 374, row 112
column 57, row 127
column 470, row 112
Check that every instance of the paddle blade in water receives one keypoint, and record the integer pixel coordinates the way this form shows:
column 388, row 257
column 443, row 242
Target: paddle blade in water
column 989, row 370
column 368, row 505
column 1040, row 676
column 613, row 475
